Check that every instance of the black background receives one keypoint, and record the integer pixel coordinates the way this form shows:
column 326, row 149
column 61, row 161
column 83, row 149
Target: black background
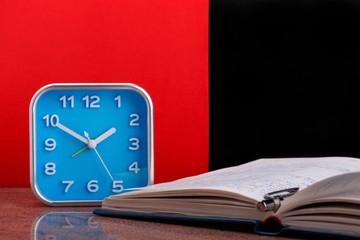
column 284, row 79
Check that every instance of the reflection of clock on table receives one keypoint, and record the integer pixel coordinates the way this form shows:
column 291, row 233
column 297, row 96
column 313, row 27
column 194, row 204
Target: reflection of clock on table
column 68, row 225
column 89, row 141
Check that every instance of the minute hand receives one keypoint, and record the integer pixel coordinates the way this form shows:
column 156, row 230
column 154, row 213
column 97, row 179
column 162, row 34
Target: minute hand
column 105, row 135
column 72, row 133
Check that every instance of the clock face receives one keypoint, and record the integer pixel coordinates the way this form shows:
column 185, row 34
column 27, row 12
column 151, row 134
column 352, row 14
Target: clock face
column 89, row 141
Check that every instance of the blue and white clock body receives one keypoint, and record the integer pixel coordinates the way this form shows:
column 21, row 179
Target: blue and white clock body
column 89, row 141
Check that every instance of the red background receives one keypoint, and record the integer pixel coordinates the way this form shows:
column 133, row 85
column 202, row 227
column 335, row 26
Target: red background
column 161, row 45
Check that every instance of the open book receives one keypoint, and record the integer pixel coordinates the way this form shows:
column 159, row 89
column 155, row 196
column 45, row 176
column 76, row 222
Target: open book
column 327, row 200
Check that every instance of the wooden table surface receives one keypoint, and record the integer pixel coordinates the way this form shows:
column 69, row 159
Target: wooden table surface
column 23, row 216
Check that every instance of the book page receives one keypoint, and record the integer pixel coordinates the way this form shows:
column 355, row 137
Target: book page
column 343, row 188
column 262, row 176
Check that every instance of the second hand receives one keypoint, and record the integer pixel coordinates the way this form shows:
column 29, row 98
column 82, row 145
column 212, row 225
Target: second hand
column 92, row 145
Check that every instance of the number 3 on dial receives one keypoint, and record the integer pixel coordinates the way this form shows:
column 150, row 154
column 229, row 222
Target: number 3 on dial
column 89, row 141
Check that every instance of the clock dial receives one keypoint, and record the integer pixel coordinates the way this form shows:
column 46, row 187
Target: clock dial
column 90, row 141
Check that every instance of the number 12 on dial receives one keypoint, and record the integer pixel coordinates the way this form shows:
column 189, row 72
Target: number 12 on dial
column 89, row 141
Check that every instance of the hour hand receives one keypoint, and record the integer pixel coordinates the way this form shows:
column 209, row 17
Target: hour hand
column 98, row 140
column 71, row 132
column 105, row 135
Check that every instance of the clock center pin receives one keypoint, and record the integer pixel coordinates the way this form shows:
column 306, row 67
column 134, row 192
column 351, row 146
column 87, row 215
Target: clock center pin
column 92, row 144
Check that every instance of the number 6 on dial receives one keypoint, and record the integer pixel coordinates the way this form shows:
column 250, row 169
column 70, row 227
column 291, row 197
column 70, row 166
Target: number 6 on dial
column 89, row 141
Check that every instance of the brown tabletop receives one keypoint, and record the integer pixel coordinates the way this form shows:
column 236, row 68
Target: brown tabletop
column 23, row 216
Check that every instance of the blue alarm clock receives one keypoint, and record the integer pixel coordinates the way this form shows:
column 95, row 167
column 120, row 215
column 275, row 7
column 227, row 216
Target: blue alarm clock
column 90, row 141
